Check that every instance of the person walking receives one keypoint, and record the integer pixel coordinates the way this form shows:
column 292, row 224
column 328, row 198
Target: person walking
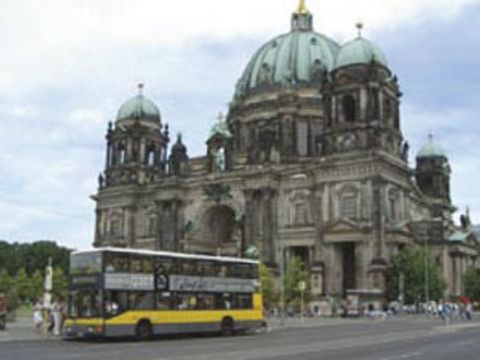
column 57, row 318
column 37, row 316
column 469, row 310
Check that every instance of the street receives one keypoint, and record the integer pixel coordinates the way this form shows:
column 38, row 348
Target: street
column 391, row 339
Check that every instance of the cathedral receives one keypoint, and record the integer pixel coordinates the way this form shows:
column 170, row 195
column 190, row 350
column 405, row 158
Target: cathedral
column 310, row 161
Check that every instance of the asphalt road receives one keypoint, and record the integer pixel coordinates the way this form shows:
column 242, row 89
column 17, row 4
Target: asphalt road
column 372, row 340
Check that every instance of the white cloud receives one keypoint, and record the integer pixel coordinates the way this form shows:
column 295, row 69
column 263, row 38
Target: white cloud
column 51, row 41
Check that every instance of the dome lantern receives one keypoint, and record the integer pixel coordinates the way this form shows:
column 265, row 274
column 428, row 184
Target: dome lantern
column 139, row 107
column 431, row 150
column 360, row 51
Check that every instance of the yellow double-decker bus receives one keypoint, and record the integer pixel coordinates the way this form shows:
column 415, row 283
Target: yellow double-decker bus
column 123, row 292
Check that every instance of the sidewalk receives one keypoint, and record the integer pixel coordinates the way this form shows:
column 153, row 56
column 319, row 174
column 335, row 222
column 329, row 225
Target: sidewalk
column 23, row 330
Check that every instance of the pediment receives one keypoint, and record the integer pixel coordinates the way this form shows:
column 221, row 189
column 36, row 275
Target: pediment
column 342, row 225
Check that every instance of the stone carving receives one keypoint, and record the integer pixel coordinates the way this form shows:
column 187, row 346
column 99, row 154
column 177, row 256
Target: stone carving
column 217, row 192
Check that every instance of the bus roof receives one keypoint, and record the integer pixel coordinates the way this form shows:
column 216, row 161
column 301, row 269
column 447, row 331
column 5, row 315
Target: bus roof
column 169, row 254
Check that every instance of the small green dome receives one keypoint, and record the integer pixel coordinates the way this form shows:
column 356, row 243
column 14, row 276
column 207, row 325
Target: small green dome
column 431, row 149
column 301, row 56
column 360, row 51
column 139, row 107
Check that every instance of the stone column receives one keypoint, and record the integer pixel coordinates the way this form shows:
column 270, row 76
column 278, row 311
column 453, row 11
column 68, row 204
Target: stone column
column 249, row 217
column 378, row 216
column 130, row 224
column 316, row 209
column 98, row 224
column 269, row 197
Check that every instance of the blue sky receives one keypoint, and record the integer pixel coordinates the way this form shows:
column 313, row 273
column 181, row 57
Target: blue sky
column 67, row 66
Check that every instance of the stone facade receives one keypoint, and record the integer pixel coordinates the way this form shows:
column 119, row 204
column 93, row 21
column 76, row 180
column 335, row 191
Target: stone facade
column 314, row 168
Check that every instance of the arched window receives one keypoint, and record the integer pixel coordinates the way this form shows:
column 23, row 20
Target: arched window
column 348, row 205
column 375, row 105
column 115, row 226
column 220, row 160
column 387, row 108
column 349, row 108
column 121, row 154
column 151, row 226
column 150, row 157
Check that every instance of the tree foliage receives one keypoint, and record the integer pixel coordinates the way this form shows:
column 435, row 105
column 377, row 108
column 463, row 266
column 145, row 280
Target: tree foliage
column 413, row 262
column 296, row 272
column 32, row 257
column 471, row 282
column 22, row 269
column 269, row 290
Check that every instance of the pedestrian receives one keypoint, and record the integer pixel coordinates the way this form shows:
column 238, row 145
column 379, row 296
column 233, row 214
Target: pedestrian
column 37, row 316
column 447, row 313
column 469, row 310
column 56, row 312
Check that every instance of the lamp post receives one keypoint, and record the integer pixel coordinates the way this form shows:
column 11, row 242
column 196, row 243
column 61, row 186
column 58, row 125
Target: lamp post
column 427, row 295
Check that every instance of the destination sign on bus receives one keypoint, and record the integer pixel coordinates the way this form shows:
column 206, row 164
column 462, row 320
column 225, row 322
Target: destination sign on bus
column 211, row 284
column 129, row 282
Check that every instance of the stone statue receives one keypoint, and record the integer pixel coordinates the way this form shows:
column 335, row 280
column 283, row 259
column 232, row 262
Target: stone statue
column 405, row 149
column 101, row 181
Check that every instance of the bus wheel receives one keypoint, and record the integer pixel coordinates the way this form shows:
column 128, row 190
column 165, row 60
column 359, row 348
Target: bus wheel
column 143, row 330
column 227, row 328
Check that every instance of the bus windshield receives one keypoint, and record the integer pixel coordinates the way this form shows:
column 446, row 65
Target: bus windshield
column 85, row 263
column 85, row 304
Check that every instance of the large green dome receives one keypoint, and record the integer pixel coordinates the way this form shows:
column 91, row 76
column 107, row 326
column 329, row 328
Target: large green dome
column 360, row 51
column 301, row 56
column 139, row 107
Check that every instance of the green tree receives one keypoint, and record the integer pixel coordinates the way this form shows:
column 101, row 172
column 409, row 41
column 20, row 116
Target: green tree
column 296, row 272
column 7, row 286
column 471, row 282
column 412, row 262
column 23, row 286
column 36, row 285
column 59, row 283
column 269, row 290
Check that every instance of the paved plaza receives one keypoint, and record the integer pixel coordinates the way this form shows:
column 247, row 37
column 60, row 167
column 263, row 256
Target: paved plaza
column 342, row 339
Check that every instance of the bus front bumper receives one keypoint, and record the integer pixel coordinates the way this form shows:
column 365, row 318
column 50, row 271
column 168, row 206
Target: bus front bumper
column 74, row 330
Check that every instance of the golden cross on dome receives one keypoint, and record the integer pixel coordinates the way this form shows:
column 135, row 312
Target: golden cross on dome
column 302, row 8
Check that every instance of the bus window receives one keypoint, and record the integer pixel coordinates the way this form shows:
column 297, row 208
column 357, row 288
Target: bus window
column 242, row 301
column 86, row 263
column 222, row 270
column 233, row 270
column 141, row 300
column 189, row 268
column 116, row 263
column 205, row 301
column 186, row 301
column 206, row 268
column 164, row 301
column 141, row 265
column 85, row 304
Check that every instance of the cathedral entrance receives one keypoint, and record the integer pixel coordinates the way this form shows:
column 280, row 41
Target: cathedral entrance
column 348, row 267
column 302, row 253
column 220, row 230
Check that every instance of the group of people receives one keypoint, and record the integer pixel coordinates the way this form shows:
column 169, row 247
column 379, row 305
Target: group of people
column 49, row 318
column 450, row 311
